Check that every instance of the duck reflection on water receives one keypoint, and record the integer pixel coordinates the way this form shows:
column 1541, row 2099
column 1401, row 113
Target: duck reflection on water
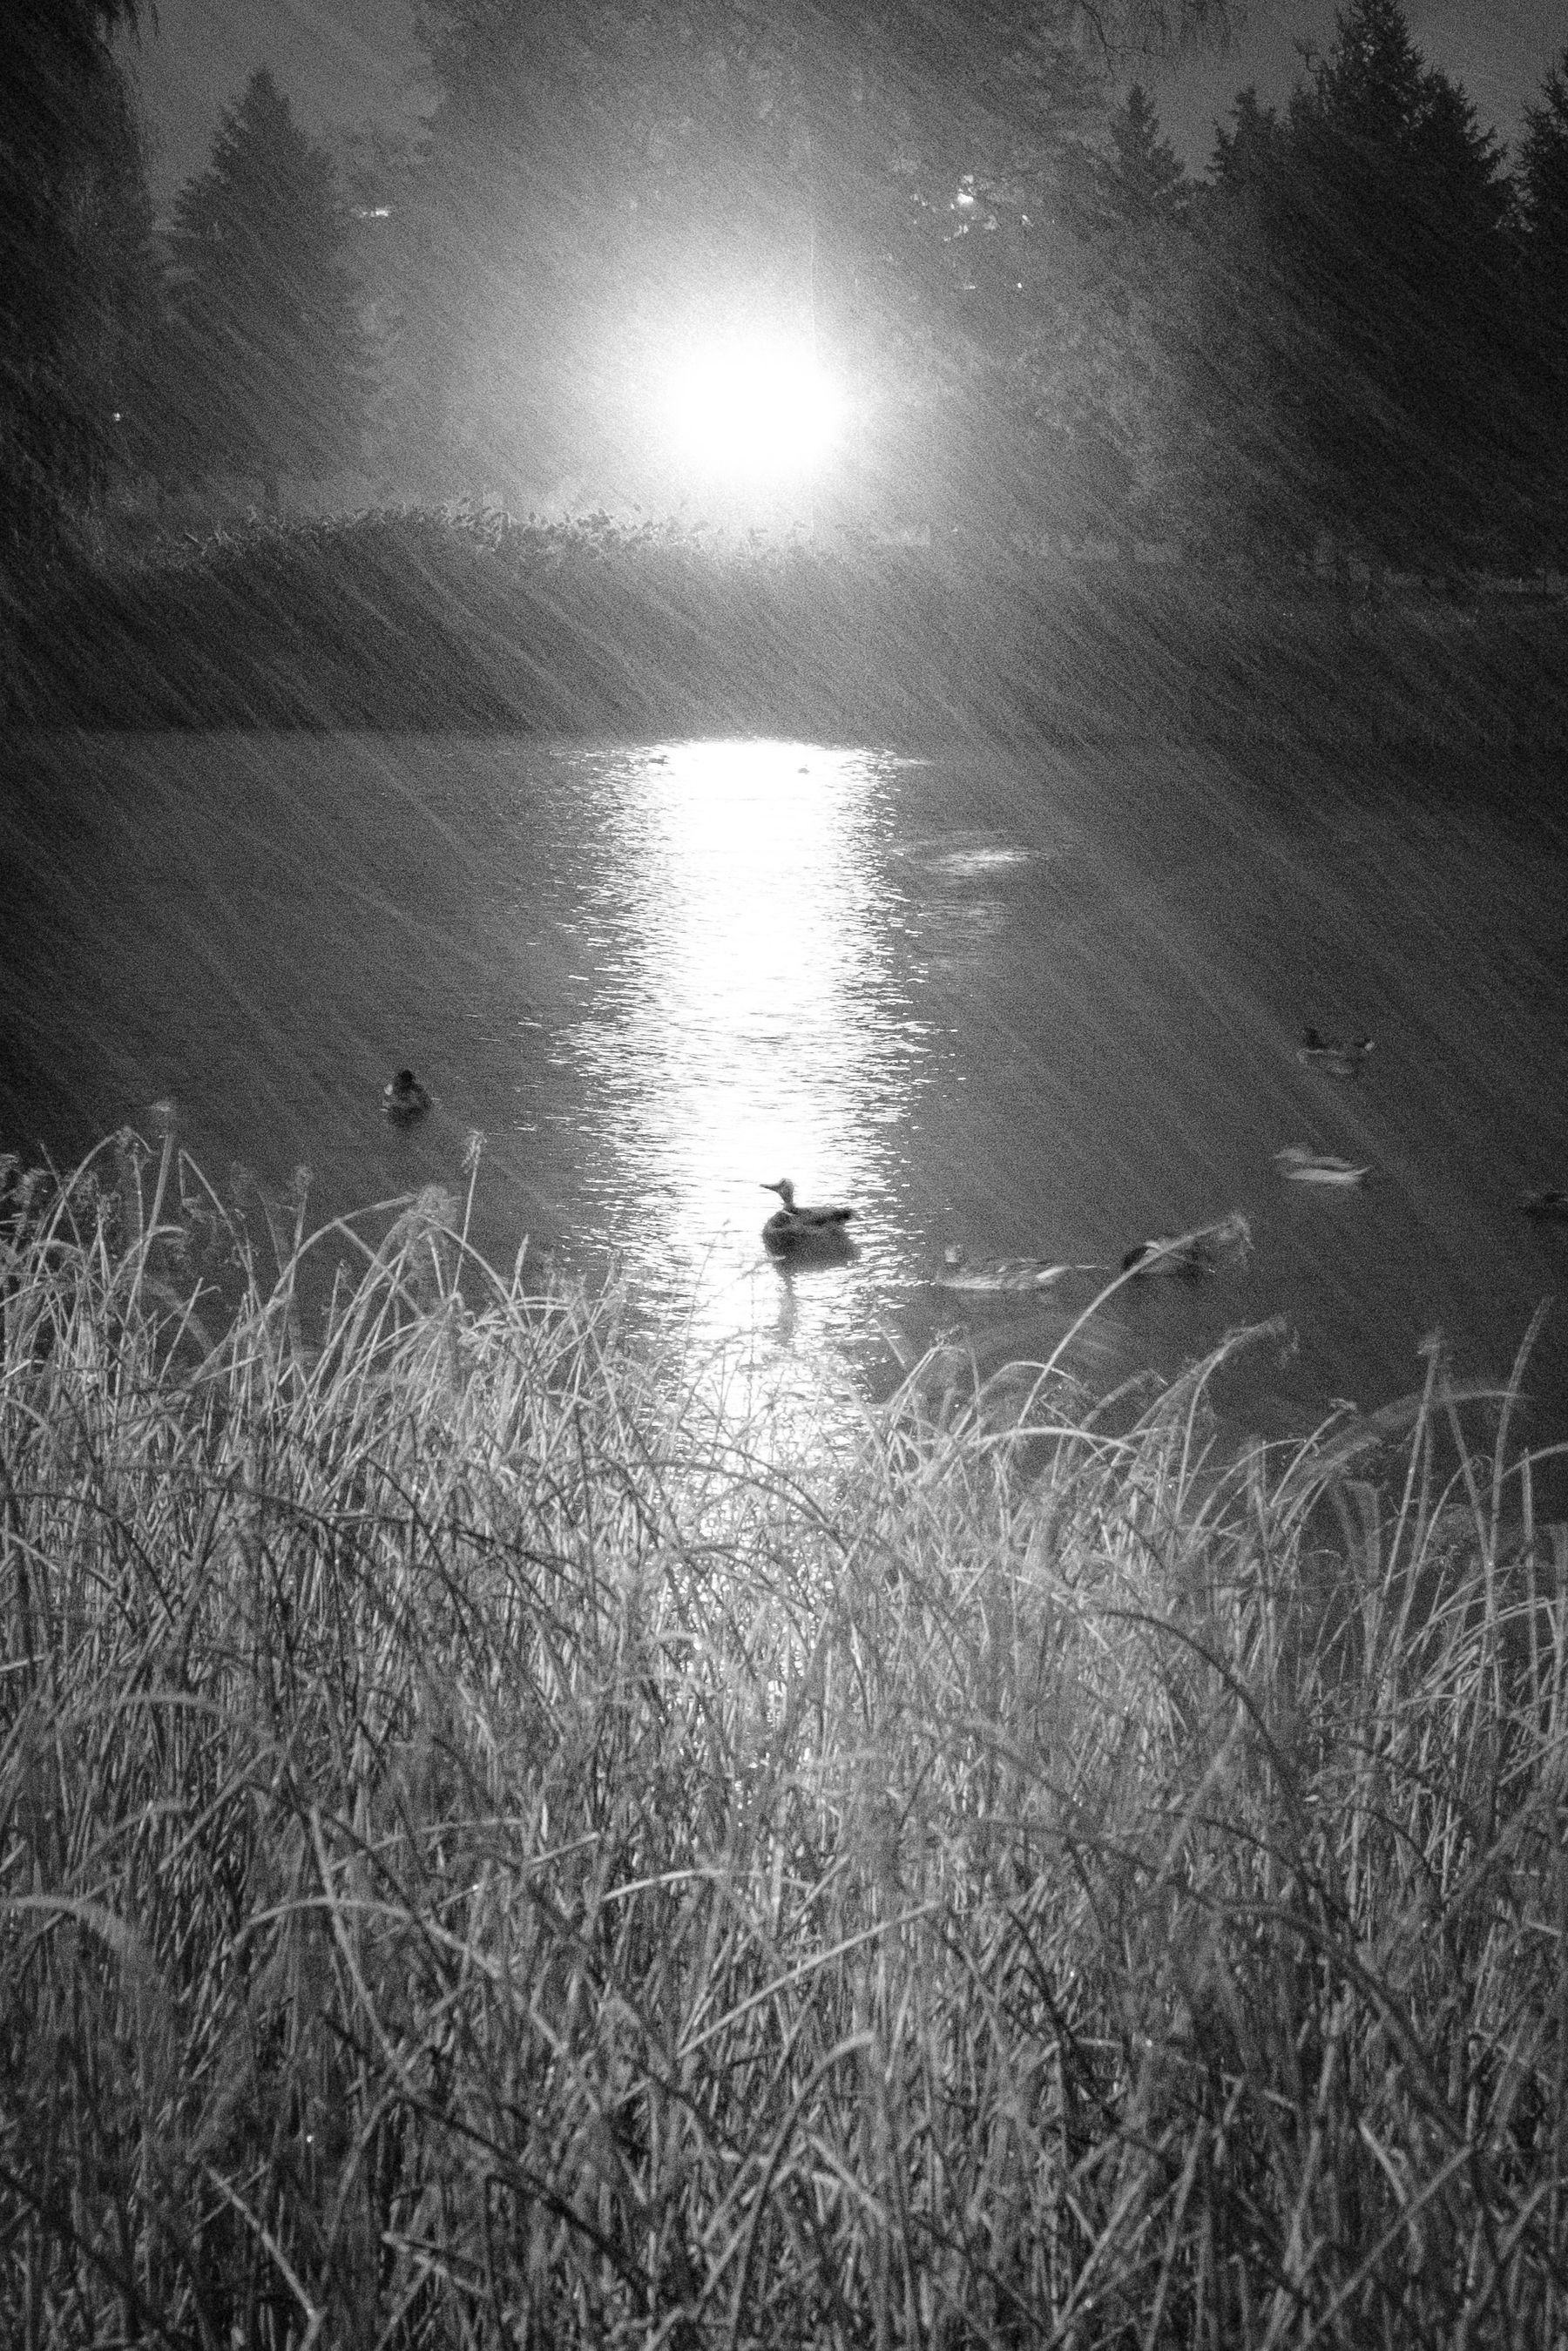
column 1003, row 1274
column 1298, row 1163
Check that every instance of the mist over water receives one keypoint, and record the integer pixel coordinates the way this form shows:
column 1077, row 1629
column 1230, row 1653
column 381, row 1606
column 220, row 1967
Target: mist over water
column 1045, row 1009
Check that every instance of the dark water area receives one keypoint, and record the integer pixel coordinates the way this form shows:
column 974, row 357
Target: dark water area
column 1044, row 1006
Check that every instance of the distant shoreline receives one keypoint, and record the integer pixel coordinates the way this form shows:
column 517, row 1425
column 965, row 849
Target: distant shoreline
column 415, row 621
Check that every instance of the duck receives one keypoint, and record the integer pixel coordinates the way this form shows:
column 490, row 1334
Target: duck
column 1299, row 1164
column 796, row 1231
column 1002, row 1274
column 1225, row 1242
column 403, row 1099
column 1551, row 1207
column 1335, row 1057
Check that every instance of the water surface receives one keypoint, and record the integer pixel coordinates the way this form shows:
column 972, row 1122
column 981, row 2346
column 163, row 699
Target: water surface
column 1046, row 1008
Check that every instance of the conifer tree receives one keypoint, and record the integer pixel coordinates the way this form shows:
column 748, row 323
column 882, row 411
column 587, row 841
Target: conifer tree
column 1142, row 177
column 1356, row 311
column 1544, row 292
column 266, row 366
column 1543, row 166
column 1400, row 212
column 1106, row 397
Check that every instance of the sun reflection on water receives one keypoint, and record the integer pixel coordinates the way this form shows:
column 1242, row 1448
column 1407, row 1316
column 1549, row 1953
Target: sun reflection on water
column 743, row 1028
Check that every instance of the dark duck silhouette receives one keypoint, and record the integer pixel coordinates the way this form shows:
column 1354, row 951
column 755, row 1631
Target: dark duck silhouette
column 403, row 1099
column 795, row 1231
column 1335, row 1057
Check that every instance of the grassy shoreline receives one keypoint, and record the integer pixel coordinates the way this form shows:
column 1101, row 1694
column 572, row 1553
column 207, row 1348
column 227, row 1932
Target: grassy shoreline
column 507, row 1841
column 413, row 621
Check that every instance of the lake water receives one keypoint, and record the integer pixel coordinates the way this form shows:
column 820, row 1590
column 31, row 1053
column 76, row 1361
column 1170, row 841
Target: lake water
column 1044, row 1007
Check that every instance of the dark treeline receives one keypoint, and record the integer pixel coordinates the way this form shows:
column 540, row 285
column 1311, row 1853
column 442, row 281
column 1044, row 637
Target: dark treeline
column 76, row 273
column 1354, row 329
column 1380, row 339
column 416, row 622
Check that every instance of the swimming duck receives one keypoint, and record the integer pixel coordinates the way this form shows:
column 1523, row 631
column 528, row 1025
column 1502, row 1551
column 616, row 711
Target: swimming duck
column 1300, row 1165
column 1204, row 1250
column 1551, row 1207
column 1002, row 1274
column 403, row 1099
column 796, row 1231
column 1335, row 1056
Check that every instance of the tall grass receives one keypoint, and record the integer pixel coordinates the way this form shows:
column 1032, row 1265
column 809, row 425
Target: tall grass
column 502, row 1845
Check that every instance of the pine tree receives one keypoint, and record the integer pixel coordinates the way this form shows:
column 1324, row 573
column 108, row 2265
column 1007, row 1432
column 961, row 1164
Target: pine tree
column 1099, row 358
column 1544, row 167
column 1402, row 209
column 1247, row 157
column 266, row 365
column 1358, row 297
column 1142, row 177
column 1544, row 292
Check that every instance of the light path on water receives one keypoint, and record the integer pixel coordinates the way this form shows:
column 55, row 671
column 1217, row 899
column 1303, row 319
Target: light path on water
column 1043, row 1007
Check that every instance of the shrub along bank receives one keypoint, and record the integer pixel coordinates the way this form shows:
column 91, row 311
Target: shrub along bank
column 504, row 1843
column 411, row 620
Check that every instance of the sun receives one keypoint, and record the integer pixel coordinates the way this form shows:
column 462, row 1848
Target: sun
column 756, row 409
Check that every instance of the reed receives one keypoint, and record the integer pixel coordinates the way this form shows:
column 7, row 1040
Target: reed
column 510, row 1836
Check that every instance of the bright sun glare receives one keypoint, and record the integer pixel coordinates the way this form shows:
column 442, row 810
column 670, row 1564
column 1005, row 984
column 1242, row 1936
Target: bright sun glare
column 754, row 409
